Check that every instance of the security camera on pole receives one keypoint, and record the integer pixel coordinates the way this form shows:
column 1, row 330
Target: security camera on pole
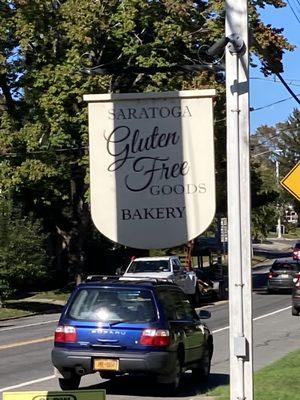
column 238, row 183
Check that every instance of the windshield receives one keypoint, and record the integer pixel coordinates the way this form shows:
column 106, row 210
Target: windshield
column 150, row 266
column 113, row 305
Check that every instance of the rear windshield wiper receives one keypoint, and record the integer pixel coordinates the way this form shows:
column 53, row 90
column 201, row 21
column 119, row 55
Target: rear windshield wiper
column 118, row 322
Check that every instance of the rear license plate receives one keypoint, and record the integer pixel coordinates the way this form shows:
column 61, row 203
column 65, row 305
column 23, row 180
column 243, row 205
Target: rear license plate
column 284, row 275
column 108, row 364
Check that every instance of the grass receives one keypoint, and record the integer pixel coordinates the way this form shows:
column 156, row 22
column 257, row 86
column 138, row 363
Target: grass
column 278, row 381
column 34, row 304
column 6, row 312
column 23, row 308
column 292, row 234
column 59, row 294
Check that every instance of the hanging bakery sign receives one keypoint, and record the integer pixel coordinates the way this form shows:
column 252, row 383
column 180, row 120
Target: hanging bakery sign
column 152, row 173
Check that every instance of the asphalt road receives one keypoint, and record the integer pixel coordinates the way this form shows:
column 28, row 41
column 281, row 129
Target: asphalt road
column 25, row 346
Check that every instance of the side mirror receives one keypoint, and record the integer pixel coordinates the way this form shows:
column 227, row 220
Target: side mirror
column 204, row 314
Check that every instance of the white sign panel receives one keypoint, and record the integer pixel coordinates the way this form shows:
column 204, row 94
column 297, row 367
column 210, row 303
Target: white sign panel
column 152, row 167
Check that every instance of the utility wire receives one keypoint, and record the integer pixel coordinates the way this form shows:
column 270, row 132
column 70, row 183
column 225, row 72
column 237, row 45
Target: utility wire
column 274, row 103
column 294, row 12
column 275, row 81
column 287, row 87
column 64, row 150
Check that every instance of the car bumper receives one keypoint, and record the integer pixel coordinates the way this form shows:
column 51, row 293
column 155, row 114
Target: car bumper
column 132, row 362
column 280, row 284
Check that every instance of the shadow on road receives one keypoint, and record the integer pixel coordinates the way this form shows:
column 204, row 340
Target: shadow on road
column 282, row 292
column 269, row 254
column 145, row 386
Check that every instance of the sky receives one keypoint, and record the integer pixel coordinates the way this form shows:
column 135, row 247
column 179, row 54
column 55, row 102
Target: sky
column 264, row 91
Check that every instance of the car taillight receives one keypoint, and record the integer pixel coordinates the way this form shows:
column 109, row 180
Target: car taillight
column 155, row 337
column 296, row 280
column 272, row 275
column 65, row 334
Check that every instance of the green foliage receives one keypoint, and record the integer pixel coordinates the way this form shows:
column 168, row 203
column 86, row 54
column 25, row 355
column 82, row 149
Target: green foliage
column 22, row 254
column 43, row 119
column 264, row 219
column 281, row 144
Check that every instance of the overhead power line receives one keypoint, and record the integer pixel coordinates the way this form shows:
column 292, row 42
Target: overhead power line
column 293, row 11
column 295, row 96
column 33, row 152
column 274, row 103
column 290, row 81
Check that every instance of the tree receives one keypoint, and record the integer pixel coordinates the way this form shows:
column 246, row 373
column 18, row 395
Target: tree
column 282, row 143
column 22, row 253
column 43, row 119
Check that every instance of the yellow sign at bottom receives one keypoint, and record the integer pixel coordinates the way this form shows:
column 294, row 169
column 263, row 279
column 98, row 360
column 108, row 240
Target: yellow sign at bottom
column 65, row 395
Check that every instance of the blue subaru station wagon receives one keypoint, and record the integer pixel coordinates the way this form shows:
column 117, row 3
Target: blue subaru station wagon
column 118, row 327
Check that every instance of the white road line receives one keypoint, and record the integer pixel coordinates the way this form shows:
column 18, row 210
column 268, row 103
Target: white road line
column 47, row 378
column 10, row 328
column 256, row 318
column 271, row 313
column 221, row 329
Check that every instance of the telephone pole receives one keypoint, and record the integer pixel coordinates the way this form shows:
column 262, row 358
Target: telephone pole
column 238, row 188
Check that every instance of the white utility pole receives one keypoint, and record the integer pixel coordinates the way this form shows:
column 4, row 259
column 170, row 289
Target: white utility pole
column 238, row 183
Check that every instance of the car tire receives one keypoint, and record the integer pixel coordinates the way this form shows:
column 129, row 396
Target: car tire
column 71, row 383
column 295, row 311
column 270, row 291
column 202, row 371
column 220, row 294
column 196, row 297
column 171, row 388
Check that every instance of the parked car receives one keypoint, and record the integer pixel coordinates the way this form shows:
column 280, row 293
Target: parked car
column 296, row 251
column 296, row 295
column 113, row 327
column 282, row 273
column 165, row 267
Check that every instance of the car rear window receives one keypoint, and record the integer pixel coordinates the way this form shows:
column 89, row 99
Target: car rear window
column 110, row 304
column 149, row 266
column 286, row 266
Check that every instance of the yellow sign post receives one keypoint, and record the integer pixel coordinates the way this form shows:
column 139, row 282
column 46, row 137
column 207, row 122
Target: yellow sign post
column 65, row 395
column 291, row 181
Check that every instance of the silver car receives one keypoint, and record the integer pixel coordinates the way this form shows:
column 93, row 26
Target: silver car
column 282, row 273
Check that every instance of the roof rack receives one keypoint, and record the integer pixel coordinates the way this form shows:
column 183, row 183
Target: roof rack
column 92, row 278
column 144, row 279
column 95, row 278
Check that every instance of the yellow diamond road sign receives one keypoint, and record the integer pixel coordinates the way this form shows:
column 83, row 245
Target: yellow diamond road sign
column 291, row 181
